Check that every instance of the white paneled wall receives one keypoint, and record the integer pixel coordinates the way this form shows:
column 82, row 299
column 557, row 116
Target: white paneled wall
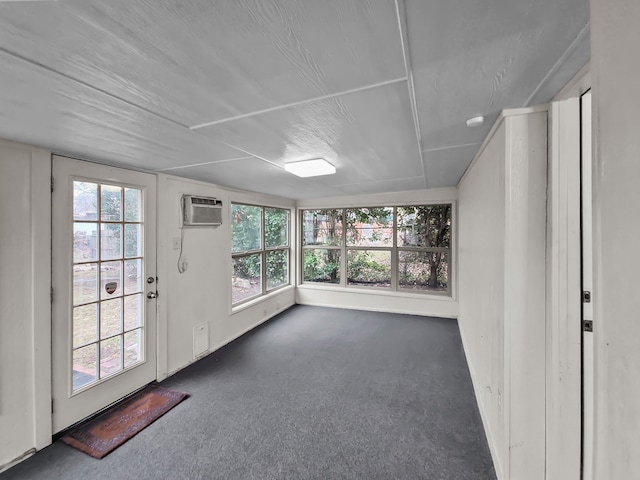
column 25, row 322
column 502, row 215
column 202, row 294
column 616, row 236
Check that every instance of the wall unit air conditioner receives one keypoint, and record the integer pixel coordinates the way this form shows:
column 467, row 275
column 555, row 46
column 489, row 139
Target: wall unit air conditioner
column 201, row 211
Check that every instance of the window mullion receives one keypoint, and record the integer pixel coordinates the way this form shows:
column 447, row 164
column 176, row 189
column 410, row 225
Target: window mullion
column 394, row 251
column 343, row 252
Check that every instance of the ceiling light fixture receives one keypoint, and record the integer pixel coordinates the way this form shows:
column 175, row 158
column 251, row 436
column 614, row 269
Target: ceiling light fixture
column 310, row 168
column 475, row 121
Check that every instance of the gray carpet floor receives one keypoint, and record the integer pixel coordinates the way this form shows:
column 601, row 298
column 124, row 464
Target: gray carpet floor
column 315, row 393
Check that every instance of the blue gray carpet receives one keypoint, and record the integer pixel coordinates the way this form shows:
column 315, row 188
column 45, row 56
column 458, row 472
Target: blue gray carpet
column 315, row 393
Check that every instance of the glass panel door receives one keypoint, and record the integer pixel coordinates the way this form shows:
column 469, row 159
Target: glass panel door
column 104, row 280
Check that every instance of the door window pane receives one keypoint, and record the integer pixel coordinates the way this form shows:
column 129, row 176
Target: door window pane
column 110, row 279
column 132, row 240
column 85, row 242
column 110, row 317
column 110, row 356
column 133, row 276
column 132, row 347
column 369, row 268
column 110, row 241
column 110, row 203
column 247, row 277
column 321, row 265
column 85, row 201
column 133, row 311
column 132, row 205
column 85, row 283
column 85, row 366
column 85, row 324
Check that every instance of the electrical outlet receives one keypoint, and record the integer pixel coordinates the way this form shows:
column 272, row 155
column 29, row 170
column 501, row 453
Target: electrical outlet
column 176, row 243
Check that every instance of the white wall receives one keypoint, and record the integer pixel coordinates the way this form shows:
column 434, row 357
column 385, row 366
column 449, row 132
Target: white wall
column 202, row 294
column 25, row 262
column 502, row 211
column 380, row 300
column 563, row 348
column 615, row 37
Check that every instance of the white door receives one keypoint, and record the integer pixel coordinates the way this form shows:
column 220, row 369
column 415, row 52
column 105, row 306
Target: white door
column 104, row 286
column 587, row 287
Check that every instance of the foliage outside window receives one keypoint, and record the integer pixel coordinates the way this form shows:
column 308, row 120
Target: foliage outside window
column 395, row 248
column 260, row 250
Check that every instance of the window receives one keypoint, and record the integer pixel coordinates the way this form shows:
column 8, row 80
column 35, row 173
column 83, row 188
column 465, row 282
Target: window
column 404, row 248
column 260, row 250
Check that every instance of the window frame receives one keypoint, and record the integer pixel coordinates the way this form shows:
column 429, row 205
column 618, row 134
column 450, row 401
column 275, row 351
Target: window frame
column 262, row 252
column 394, row 250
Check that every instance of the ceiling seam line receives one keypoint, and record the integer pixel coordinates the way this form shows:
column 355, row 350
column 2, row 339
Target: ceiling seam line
column 401, row 18
column 91, row 87
column 201, row 164
column 242, row 150
column 453, row 146
column 570, row 49
column 299, row 103
column 374, row 182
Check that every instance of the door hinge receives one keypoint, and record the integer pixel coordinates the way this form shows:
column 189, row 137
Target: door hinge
column 586, row 296
column 587, row 325
column 52, row 405
column 51, row 294
column 52, row 184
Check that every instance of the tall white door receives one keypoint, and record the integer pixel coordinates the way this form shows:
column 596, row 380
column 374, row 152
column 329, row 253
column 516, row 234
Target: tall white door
column 104, row 286
column 589, row 296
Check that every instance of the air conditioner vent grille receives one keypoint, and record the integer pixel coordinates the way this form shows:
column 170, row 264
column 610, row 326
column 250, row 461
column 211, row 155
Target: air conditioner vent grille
column 201, row 211
column 204, row 201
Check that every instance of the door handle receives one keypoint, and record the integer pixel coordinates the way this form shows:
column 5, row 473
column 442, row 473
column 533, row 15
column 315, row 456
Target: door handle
column 152, row 295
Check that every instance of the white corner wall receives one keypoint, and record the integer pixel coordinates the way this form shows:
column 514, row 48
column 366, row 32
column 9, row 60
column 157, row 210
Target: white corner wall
column 615, row 37
column 381, row 300
column 202, row 294
column 502, row 213
column 25, row 326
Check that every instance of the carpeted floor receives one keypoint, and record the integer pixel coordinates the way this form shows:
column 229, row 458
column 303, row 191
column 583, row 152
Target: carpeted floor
column 316, row 393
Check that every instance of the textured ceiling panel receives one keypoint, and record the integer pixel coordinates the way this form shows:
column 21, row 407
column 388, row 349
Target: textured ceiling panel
column 383, row 186
column 123, row 81
column 481, row 57
column 446, row 166
column 258, row 176
column 198, row 60
column 47, row 110
column 369, row 135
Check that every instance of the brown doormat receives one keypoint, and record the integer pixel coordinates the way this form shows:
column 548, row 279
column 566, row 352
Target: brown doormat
column 103, row 434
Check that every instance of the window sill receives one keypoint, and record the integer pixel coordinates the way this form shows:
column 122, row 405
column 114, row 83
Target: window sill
column 260, row 299
column 370, row 291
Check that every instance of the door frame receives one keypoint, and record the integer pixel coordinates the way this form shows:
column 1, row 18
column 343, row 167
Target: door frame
column 564, row 428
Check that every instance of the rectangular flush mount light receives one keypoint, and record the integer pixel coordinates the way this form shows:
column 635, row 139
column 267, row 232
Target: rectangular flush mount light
column 310, row 168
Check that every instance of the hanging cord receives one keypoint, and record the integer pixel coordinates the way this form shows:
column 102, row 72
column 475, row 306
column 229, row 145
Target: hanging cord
column 180, row 264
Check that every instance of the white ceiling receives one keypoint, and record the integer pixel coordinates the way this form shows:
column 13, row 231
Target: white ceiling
column 228, row 91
